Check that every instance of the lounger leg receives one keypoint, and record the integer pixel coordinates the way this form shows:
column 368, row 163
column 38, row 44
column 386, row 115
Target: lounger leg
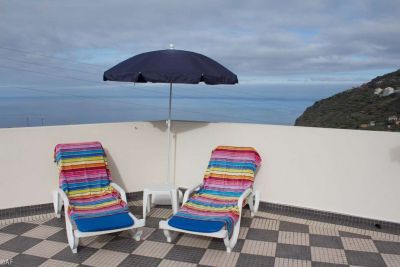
column 227, row 244
column 149, row 203
column 235, row 235
column 145, row 204
column 250, row 201
column 168, row 236
column 73, row 241
column 137, row 235
column 256, row 201
column 75, row 247
column 174, row 200
column 57, row 202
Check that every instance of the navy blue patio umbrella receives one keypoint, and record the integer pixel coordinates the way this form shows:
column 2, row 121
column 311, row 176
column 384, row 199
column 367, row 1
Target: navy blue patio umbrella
column 170, row 66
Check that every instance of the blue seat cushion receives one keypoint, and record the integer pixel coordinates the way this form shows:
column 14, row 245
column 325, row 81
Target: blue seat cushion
column 111, row 222
column 196, row 225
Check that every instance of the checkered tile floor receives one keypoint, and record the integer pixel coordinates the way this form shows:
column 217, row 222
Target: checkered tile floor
column 266, row 240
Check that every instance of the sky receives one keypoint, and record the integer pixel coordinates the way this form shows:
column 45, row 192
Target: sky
column 51, row 44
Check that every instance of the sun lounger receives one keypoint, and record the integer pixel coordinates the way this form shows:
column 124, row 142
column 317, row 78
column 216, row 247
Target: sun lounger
column 215, row 208
column 93, row 204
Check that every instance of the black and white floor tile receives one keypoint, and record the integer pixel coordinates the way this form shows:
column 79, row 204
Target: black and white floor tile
column 265, row 240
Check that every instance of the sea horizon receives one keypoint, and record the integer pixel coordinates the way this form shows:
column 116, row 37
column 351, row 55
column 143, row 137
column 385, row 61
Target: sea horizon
column 277, row 104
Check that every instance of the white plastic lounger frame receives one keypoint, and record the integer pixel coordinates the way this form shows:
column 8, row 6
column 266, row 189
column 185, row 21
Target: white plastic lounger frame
column 252, row 197
column 60, row 199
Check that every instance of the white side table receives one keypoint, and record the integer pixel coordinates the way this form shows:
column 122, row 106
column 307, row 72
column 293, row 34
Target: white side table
column 159, row 190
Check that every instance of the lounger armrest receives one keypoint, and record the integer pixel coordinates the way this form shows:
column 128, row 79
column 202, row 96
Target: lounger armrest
column 242, row 197
column 190, row 191
column 120, row 191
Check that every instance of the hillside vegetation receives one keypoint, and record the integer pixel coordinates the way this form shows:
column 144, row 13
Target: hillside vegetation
column 364, row 107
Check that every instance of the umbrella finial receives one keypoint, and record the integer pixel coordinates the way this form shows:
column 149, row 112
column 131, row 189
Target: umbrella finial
column 171, row 46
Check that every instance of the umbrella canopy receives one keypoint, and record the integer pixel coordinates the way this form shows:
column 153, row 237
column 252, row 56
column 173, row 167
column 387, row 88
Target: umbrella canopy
column 170, row 66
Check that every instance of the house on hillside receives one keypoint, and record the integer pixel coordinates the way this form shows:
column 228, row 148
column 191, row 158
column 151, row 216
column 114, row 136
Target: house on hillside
column 387, row 91
column 378, row 91
column 394, row 119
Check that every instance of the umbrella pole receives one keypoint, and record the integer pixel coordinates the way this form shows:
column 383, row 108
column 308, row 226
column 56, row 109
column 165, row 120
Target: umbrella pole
column 169, row 137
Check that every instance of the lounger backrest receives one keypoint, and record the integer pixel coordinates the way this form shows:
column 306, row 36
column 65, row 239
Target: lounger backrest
column 232, row 168
column 83, row 169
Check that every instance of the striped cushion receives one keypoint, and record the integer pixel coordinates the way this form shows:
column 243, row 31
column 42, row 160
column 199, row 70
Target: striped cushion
column 85, row 178
column 230, row 172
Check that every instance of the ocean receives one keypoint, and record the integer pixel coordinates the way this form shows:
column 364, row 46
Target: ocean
column 249, row 103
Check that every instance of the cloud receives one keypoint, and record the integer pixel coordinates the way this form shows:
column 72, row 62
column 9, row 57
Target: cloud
column 252, row 38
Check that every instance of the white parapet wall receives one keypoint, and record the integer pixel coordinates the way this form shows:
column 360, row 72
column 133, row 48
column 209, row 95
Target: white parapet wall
column 136, row 154
column 345, row 171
